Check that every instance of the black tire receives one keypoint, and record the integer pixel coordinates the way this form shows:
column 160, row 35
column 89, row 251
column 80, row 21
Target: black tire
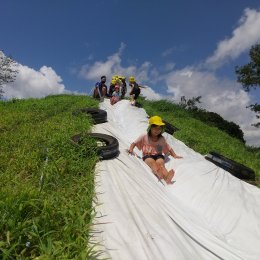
column 238, row 170
column 169, row 128
column 99, row 116
column 109, row 148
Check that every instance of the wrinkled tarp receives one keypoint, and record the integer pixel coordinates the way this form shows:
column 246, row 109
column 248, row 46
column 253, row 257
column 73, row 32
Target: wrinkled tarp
column 206, row 214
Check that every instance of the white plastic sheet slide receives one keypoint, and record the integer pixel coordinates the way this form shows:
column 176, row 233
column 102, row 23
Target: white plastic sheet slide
column 206, row 214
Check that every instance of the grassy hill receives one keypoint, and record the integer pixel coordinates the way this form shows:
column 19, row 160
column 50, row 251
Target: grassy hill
column 47, row 183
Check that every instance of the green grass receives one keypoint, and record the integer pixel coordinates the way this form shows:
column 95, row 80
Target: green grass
column 47, row 183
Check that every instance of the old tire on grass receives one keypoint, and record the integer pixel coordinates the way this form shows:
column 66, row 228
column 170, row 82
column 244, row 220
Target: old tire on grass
column 107, row 146
column 169, row 128
column 238, row 170
column 99, row 116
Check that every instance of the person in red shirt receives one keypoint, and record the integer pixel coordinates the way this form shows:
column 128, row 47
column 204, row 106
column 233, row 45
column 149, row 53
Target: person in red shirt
column 116, row 95
column 154, row 148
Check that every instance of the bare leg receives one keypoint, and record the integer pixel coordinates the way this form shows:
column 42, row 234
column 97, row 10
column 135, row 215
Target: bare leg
column 132, row 100
column 167, row 175
column 113, row 100
column 116, row 99
column 95, row 94
column 170, row 177
column 153, row 165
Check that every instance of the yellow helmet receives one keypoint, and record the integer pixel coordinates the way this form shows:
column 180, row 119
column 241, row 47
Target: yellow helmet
column 122, row 77
column 113, row 81
column 131, row 79
column 156, row 120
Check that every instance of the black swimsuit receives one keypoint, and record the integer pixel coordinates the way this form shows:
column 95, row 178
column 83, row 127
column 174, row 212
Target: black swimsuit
column 154, row 156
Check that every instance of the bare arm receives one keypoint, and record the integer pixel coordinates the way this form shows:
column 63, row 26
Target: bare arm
column 174, row 155
column 131, row 149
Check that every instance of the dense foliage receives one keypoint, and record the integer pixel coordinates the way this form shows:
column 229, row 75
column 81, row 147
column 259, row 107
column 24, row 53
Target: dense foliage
column 249, row 76
column 8, row 70
column 214, row 119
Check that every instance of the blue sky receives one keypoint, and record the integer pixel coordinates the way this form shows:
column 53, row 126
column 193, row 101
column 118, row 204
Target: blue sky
column 174, row 47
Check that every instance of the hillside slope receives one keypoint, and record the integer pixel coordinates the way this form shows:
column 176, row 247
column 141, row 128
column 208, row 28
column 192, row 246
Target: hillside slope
column 44, row 177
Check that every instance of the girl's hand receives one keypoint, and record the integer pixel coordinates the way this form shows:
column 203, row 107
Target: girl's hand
column 174, row 155
column 130, row 151
column 177, row 157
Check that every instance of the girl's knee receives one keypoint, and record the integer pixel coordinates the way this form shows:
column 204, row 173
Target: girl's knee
column 155, row 167
column 160, row 163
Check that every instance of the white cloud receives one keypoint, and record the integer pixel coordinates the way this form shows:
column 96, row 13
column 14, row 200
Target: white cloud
column 32, row 83
column 167, row 52
column 169, row 66
column 222, row 96
column 112, row 66
column 243, row 37
column 109, row 67
column 150, row 94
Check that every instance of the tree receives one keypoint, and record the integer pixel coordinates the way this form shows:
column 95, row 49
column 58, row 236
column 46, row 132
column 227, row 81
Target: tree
column 249, row 76
column 190, row 104
column 8, row 70
column 214, row 119
column 211, row 118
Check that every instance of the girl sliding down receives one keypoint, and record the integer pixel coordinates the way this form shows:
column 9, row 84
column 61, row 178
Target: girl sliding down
column 153, row 146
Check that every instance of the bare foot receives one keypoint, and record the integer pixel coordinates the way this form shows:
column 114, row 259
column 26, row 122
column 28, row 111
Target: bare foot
column 158, row 175
column 169, row 177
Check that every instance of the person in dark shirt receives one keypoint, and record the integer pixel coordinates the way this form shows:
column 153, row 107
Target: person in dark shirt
column 135, row 90
column 100, row 90
column 112, row 87
column 123, row 86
